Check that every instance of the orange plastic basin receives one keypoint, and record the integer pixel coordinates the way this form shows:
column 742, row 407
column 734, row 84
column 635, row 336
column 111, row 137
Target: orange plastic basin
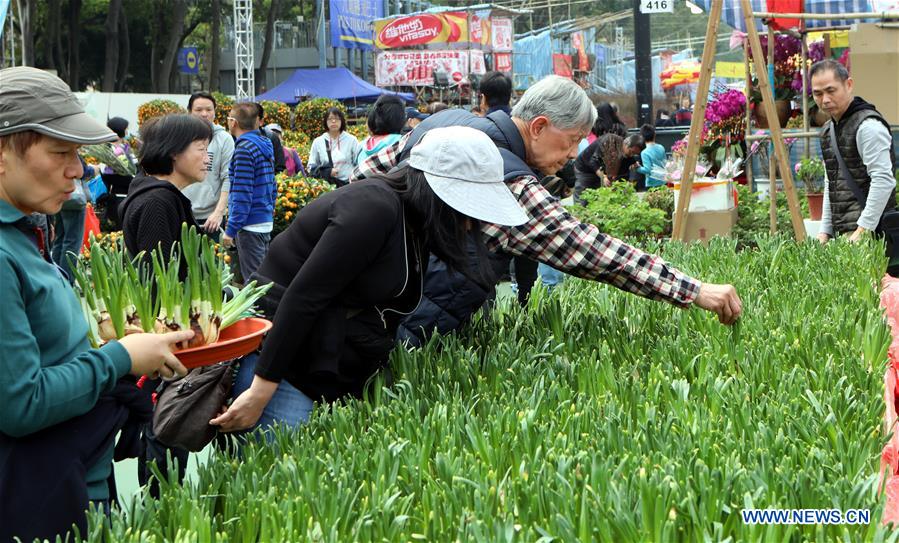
column 242, row 337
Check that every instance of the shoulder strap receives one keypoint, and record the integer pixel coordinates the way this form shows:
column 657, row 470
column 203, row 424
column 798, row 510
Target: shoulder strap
column 853, row 186
column 328, row 149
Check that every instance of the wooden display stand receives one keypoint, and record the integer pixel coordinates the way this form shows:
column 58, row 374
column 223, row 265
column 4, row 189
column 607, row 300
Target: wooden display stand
column 702, row 96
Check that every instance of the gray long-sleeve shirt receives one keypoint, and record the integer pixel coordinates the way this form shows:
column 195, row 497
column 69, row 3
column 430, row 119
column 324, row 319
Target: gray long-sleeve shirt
column 873, row 141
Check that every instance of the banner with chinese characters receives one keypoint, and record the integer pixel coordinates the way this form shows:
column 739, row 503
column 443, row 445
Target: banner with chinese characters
column 502, row 62
column 416, row 68
column 501, row 30
column 479, row 28
column 351, row 22
column 422, row 29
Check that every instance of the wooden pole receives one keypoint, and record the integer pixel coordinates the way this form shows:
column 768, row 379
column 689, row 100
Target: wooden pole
column 702, row 98
column 747, row 167
column 772, row 170
column 801, row 134
column 776, row 134
column 805, row 80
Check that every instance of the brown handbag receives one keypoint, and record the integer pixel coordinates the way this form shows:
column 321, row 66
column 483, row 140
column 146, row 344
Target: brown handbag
column 185, row 407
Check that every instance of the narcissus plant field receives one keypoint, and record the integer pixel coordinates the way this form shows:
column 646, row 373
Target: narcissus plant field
column 593, row 415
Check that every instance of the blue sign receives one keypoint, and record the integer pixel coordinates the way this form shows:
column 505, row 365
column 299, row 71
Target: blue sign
column 351, row 22
column 4, row 8
column 189, row 60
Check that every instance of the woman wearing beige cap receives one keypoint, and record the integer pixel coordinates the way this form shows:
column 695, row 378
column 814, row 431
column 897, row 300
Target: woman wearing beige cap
column 352, row 263
column 61, row 402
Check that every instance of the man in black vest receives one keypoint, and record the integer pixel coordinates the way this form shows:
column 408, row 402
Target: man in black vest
column 540, row 137
column 865, row 144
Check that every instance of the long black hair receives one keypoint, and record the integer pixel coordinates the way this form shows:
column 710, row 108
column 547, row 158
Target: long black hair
column 607, row 121
column 443, row 230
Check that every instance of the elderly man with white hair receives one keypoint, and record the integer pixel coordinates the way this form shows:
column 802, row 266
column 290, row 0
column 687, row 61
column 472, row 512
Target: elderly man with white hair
column 541, row 136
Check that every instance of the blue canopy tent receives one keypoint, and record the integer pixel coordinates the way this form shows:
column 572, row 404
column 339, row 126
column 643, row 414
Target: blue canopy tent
column 336, row 83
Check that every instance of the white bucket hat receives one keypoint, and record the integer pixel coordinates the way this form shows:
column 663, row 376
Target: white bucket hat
column 464, row 168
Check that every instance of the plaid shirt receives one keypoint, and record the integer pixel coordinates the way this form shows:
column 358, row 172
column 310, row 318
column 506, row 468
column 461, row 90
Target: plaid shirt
column 553, row 236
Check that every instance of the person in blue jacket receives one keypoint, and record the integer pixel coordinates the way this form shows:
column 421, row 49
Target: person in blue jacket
column 652, row 156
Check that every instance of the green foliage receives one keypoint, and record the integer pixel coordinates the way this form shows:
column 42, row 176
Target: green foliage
column 618, row 211
column 276, row 112
column 592, row 416
column 662, row 198
column 157, row 108
column 753, row 214
column 223, row 105
column 811, row 172
column 309, row 114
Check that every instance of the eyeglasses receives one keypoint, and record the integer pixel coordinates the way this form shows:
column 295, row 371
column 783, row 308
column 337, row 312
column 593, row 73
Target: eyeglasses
column 232, row 119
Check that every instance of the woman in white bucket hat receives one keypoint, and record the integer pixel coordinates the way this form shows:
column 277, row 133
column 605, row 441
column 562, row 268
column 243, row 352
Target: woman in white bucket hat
column 352, row 263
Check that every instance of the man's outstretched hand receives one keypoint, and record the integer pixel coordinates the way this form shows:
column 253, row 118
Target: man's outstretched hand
column 721, row 300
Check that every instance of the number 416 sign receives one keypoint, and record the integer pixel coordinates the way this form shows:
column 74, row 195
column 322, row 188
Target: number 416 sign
column 656, row 6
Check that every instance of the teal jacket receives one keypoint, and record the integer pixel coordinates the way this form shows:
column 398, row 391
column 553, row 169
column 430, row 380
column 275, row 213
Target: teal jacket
column 48, row 372
column 653, row 155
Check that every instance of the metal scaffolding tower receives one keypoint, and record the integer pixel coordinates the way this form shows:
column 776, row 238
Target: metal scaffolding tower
column 244, row 62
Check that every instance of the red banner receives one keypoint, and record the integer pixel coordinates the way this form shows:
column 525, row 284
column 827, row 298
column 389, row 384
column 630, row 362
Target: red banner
column 562, row 65
column 424, row 29
column 785, row 6
column 577, row 41
column 502, row 62
column 479, row 27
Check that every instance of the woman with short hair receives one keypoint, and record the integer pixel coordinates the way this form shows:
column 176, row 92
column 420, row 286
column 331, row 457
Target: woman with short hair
column 172, row 157
column 336, row 147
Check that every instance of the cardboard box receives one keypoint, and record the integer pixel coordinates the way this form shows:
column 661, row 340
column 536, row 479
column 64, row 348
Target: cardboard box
column 704, row 225
column 874, row 57
column 710, row 195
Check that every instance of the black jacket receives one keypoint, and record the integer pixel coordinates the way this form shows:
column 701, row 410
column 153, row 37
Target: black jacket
column 448, row 301
column 343, row 271
column 42, row 476
column 280, row 161
column 845, row 207
column 152, row 214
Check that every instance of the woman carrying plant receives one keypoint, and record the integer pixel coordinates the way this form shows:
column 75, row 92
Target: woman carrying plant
column 60, row 407
column 120, row 147
column 118, row 170
column 352, row 263
column 336, row 147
